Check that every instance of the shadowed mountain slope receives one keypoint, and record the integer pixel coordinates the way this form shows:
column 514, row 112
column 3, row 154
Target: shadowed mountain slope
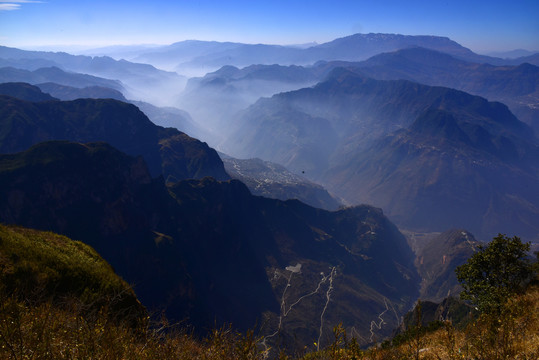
column 24, row 91
column 209, row 251
column 100, row 196
column 167, row 151
column 441, row 172
column 166, row 117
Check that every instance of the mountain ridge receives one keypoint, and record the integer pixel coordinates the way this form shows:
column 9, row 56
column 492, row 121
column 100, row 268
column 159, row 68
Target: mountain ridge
column 355, row 47
column 516, row 86
column 167, row 151
column 140, row 81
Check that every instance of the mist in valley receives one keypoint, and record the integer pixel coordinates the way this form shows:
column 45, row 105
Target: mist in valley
column 331, row 122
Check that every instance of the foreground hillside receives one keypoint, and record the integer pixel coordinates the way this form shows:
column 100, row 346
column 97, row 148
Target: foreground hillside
column 64, row 324
column 38, row 267
column 60, row 300
column 516, row 337
column 104, row 340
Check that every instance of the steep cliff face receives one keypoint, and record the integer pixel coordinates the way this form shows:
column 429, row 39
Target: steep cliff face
column 86, row 191
column 437, row 260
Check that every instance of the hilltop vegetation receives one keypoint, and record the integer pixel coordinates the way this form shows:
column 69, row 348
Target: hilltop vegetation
column 60, row 300
column 38, row 266
column 55, row 291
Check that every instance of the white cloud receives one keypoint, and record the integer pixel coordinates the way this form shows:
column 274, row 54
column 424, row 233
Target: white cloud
column 8, row 5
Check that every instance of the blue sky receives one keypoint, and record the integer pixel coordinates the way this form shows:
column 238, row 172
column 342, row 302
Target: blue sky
column 480, row 25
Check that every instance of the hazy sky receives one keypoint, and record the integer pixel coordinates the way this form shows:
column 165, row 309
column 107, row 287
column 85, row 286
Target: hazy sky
column 478, row 24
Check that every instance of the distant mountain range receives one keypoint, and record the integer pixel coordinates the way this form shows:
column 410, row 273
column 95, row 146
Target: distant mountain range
column 139, row 81
column 172, row 117
column 230, row 90
column 381, row 142
column 515, row 86
column 188, row 56
column 513, row 54
column 57, row 76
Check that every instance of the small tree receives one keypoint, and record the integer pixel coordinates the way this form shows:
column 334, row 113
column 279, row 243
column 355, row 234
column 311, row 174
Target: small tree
column 495, row 273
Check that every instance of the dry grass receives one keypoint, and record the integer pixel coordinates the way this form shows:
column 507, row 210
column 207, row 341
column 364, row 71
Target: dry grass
column 45, row 331
column 72, row 326
column 512, row 335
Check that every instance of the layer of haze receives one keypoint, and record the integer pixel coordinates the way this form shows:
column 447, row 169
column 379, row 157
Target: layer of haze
column 481, row 25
